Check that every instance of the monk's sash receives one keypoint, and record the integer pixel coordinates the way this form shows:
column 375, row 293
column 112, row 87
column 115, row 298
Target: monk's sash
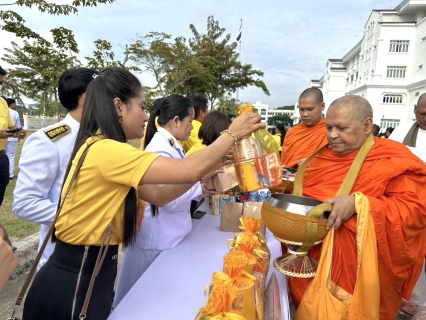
column 411, row 137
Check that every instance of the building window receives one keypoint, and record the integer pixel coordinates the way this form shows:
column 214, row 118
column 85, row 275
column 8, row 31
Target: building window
column 392, row 98
column 396, row 72
column 389, row 123
column 399, row 45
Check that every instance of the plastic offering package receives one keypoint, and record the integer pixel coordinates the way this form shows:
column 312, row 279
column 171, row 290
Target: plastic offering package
column 272, row 300
column 256, row 160
column 269, row 169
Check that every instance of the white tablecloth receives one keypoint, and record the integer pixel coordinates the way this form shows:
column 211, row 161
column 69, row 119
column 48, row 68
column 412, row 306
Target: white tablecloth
column 173, row 286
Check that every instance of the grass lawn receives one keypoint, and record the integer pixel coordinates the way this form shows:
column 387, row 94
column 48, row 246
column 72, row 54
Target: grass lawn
column 18, row 228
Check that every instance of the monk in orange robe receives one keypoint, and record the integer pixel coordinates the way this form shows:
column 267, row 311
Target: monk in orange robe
column 306, row 137
column 394, row 181
column 309, row 135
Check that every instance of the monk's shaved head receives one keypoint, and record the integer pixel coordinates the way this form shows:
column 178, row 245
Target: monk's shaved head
column 312, row 93
column 422, row 98
column 358, row 108
column 420, row 111
column 349, row 123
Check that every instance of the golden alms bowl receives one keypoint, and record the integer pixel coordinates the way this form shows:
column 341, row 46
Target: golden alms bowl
column 286, row 216
column 299, row 223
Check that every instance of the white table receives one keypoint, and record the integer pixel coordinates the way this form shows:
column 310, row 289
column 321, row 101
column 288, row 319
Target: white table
column 173, row 286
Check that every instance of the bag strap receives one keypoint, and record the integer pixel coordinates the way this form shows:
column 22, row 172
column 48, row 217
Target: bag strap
column 47, row 238
column 300, row 174
column 345, row 188
column 99, row 261
column 352, row 175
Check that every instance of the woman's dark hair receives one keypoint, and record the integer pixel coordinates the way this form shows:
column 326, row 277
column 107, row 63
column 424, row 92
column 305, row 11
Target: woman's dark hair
column 99, row 113
column 166, row 109
column 281, row 127
column 200, row 104
column 214, row 123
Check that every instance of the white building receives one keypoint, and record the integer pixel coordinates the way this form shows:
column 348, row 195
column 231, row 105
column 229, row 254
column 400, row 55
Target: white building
column 266, row 113
column 387, row 67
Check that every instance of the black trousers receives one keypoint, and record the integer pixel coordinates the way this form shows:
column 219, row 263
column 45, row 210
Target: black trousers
column 4, row 176
column 51, row 295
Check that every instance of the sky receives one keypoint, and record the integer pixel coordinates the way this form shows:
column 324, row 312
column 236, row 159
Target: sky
column 290, row 41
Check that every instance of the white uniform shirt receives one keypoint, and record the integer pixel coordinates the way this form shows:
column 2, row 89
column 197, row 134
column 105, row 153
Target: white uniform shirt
column 401, row 131
column 173, row 221
column 15, row 117
column 42, row 167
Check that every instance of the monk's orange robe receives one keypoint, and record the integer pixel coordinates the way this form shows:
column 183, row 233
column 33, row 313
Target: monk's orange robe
column 301, row 141
column 395, row 182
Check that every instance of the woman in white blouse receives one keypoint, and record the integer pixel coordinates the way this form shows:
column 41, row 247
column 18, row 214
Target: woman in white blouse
column 162, row 228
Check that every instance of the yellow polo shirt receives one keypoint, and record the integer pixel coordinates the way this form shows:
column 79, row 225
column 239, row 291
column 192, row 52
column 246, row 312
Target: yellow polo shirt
column 5, row 121
column 97, row 195
column 196, row 147
column 277, row 139
column 193, row 138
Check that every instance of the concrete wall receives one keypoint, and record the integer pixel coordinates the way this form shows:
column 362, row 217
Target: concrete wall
column 38, row 122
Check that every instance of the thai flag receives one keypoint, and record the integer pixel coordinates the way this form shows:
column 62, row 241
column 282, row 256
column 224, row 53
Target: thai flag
column 239, row 33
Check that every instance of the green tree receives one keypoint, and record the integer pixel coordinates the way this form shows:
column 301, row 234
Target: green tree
column 274, row 120
column 228, row 105
column 169, row 60
column 220, row 61
column 149, row 53
column 63, row 38
column 207, row 63
column 103, row 56
column 286, row 108
column 38, row 68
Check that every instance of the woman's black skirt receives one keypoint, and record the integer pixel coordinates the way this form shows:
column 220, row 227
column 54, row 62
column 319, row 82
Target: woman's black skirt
column 52, row 292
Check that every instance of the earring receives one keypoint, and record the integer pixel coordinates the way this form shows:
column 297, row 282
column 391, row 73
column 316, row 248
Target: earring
column 120, row 119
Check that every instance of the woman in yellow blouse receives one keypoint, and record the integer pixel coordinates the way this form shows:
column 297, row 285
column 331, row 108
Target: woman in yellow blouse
column 280, row 132
column 214, row 123
column 103, row 197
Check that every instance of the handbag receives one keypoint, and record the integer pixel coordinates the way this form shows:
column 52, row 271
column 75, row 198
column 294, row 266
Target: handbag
column 323, row 299
column 101, row 256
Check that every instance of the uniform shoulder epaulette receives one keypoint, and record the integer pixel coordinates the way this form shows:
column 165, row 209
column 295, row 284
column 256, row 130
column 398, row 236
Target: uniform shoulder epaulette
column 57, row 132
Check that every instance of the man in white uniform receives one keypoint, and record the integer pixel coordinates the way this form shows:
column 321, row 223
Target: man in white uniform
column 413, row 134
column 45, row 156
column 12, row 142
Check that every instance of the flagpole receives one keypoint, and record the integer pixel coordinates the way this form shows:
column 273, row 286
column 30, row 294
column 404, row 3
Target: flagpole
column 239, row 60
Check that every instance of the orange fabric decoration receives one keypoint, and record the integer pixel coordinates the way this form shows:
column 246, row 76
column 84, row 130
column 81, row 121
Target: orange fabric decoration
column 301, row 141
column 245, row 108
column 394, row 181
column 324, row 299
column 247, row 242
column 234, row 264
column 140, row 215
column 250, row 224
column 221, row 297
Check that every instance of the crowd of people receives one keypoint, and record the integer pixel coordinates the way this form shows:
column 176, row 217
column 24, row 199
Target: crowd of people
column 90, row 191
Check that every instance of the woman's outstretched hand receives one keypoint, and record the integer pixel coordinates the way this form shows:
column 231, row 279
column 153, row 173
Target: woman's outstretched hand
column 245, row 124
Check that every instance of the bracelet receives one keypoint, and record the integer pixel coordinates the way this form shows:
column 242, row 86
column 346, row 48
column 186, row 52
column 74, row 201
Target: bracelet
column 233, row 135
